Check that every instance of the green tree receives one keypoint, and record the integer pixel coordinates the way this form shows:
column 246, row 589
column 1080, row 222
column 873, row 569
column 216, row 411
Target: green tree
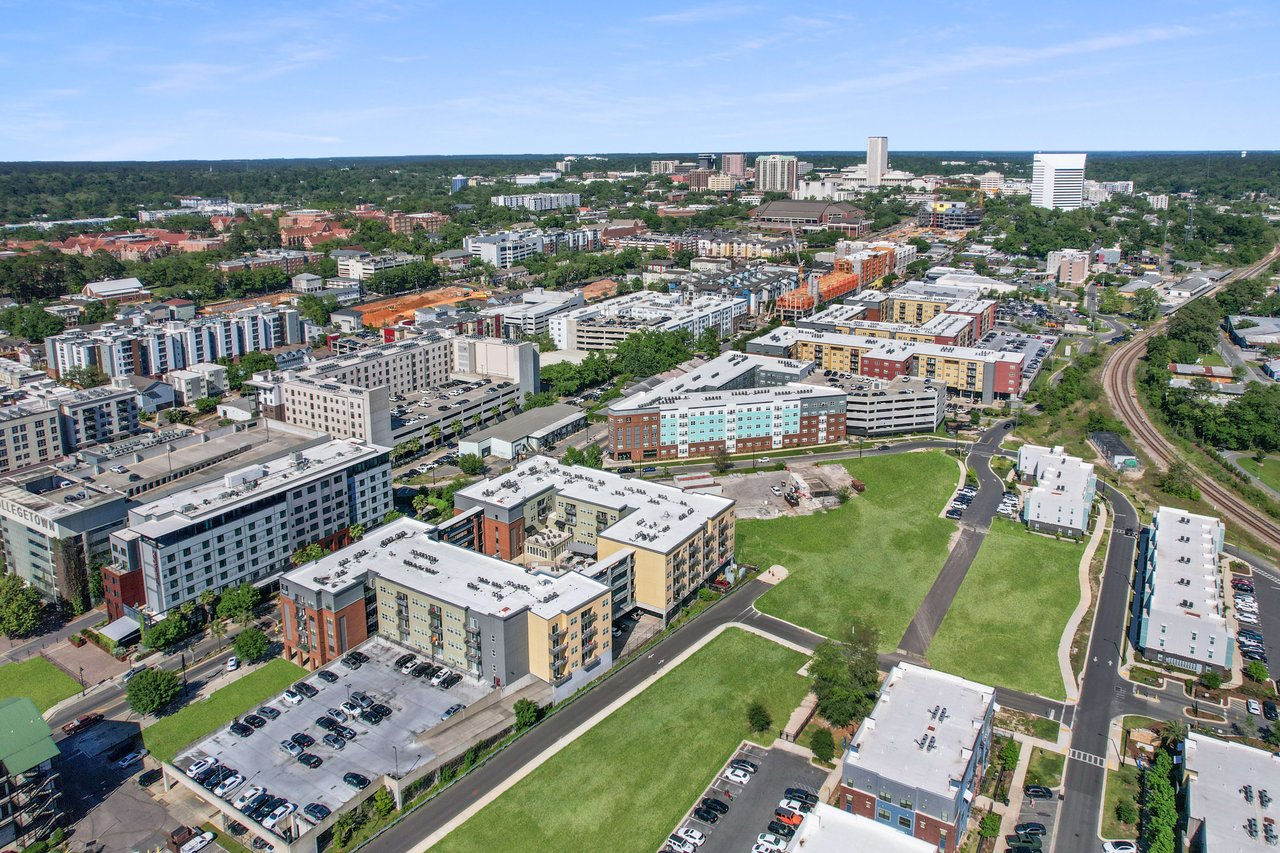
column 436, row 435
column 251, row 645
column 822, row 744
column 31, row 322
column 1173, row 733
column 206, row 405
column 1211, row 678
column 356, row 531
column 1146, row 304
column 238, row 602
column 720, row 460
column 1256, row 670
column 383, row 803
column 527, row 713
column 317, row 308
column 20, row 607
column 758, row 717
column 348, row 824
column 544, row 341
column 1009, row 754
column 308, row 554
column 470, row 463
column 421, row 503
column 84, row 377
column 989, row 826
column 845, row 677
column 152, row 689
column 391, row 516
column 709, row 342
column 218, row 628
column 1127, row 812
column 165, row 633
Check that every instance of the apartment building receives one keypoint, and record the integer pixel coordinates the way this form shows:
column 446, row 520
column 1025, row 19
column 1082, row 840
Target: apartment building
column 801, row 216
column 1063, row 492
column 30, row 777
column 1228, row 789
column 1182, row 619
column 605, row 324
column 1057, row 181
column 1068, row 266
column 672, row 243
column 244, row 526
column 850, row 319
column 359, row 266
column 538, row 202
column 949, row 215
column 201, row 380
column 655, row 544
column 734, row 165
column 887, row 407
column 776, row 173
column 917, row 760
column 97, row 415
column 532, row 315
column 739, row 246
column 505, row 249
column 735, row 403
column 30, row 434
column 289, row 260
column 478, row 614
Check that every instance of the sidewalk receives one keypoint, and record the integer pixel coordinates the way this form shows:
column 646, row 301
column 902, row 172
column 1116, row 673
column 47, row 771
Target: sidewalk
column 34, row 646
column 1086, row 600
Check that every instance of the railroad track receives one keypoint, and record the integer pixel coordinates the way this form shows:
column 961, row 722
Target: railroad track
column 1119, row 380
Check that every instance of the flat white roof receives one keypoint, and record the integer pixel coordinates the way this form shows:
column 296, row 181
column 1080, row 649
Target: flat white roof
column 828, row 829
column 663, row 516
column 1220, row 771
column 923, row 728
column 404, row 553
column 1183, row 597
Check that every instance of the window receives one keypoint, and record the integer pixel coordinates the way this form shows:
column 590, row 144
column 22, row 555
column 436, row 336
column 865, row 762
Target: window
column 883, row 815
column 904, row 822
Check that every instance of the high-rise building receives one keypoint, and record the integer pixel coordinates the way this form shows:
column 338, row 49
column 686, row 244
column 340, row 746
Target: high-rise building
column 734, row 165
column 706, row 161
column 776, row 173
column 877, row 159
column 1057, row 181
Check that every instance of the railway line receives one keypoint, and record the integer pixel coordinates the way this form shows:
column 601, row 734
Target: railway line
column 1119, row 380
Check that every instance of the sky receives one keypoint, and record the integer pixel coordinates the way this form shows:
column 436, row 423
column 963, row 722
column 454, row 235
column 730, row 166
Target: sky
column 187, row 79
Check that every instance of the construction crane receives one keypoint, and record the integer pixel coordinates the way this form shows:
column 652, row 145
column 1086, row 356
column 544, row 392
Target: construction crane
column 979, row 190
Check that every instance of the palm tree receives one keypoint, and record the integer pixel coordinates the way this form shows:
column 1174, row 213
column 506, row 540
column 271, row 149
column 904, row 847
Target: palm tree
column 436, row 435
column 218, row 628
column 421, row 503
column 1173, row 733
column 207, row 598
column 356, row 531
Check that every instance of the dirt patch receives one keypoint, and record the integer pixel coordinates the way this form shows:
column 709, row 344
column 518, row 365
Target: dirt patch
column 98, row 665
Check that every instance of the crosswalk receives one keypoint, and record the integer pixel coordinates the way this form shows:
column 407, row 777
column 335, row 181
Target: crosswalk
column 1087, row 758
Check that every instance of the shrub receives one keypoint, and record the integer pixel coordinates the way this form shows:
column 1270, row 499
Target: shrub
column 989, row 827
column 758, row 717
column 1126, row 812
column 823, row 745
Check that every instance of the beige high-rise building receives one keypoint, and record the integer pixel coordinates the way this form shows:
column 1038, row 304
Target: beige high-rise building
column 776, row 173
column 877, row 159
column 734, row 165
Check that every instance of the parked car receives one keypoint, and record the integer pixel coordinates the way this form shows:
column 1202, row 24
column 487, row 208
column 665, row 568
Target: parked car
column 306, row 689
column 355, row 780
column 440, row 677
column 452, row 679
column 326, row 676
column 233, row 663
column 307, row 759
column 246, row 797
column 1031, row 828
column 334, row 741
column 451, row 710
column 772, row 840
column 420, row 669
column 696, row 837
column 345, row 732
column 268, row 712
column 370, row 717
column 677, row 844
column 291, row 748
column 787, row 816
column 744, row 765
column 136, row 755
column 706, row 815
column 226, row 786
column 737, row 776
column 316, row 811
column 1119, row 847
column 254, row 720
column 81, row 723
column 150, row 777
column 1270, row 711
column 362, row 699
column 802, row 795
column 407, row 666
column 1038, row 792
column 351, row 662
column 777, row 827
column 290, row 697
column 381, row 710
column 326, row 723
column 280, row 812
column 303, row 740
column 715, row 805
column 195, row 845
column 241, row 730
column 199, row 766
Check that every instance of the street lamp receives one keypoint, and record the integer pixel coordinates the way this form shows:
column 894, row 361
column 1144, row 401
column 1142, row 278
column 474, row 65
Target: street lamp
column 396, row 757
column 81, row 681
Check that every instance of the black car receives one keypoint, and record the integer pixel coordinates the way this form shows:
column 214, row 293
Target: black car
column 255, row 721
column 362, row 699
column 1270, row 710
column 316, row 811
column 326, row 723
column 252, row 806
column 777, row 827
column 420, row 670
column 303, row 740
column 715, row 805
column 150, row 777
column 381, row 710
column 705, row 815
column 265, row 808
column 312, row 761
column 371, row 717
column 351, row 662
column 451, row 680
column 625, row 469
column 241, row 730
column 403, row 659
column 744, row 765
column 954, row 514
column 1038, row 792
column 360, row 656
column 355, row 780
column 268, row 712
column 326, row 676
column 205, row 775
column 1030, row 829
column 346, row 732
column 305, row 689
column 802, row 795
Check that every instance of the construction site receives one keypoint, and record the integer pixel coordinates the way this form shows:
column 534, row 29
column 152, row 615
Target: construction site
column 395, row 310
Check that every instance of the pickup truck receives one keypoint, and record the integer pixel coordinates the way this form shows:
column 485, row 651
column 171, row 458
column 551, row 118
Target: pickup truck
column 81, row 723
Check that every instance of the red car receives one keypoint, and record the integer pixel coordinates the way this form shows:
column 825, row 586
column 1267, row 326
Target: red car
column 81, row 723
column 788, row 817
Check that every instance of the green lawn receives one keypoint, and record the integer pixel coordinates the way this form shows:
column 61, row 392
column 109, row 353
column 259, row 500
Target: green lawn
column 1005, row 623
column 872, row 559
column 1122, row 784
column 38, row 680
column 1045, row 768
column 166, row 737
column 624, row 785
column 1268, row 471
column 1212, row 359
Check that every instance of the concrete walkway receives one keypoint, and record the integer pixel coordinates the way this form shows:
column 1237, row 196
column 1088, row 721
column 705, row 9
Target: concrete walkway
column 1234, row 457
column 1086, row 598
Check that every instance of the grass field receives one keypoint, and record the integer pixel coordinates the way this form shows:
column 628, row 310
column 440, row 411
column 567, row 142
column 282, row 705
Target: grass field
column 872, row 559
column 38, row 680
column 166, row 737
column 624, row 785
column 1045, row 768
column 1122, row 784
column 1212, row 359
column 1005, row 623
column 1268, row 471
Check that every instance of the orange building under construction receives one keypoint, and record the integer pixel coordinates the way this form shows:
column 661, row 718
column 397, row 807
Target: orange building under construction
column 397, row 309
column 839, row 282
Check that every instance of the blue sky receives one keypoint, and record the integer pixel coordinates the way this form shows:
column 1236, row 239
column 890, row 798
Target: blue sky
column 176, row 79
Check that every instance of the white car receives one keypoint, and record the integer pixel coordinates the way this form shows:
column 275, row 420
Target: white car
column 772, row 841
column 696, row 837
column 777, row 492
column 203, row 764
column 1254, row 706
column 408, row 667
column 198, row 843
column 439, row 677
column 226, row 786
column 244, row 797
column 350, row 709
column 132, row 757
column 281, row 812
column 765, row 848
column 291, row 697
column 233, row 663
column 1119, row 847
column 679, row 845
column 795, row 805
column 738, row 776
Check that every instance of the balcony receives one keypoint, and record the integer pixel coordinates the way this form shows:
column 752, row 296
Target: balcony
column 589, row 648
column 558, row 649
column 588, row 633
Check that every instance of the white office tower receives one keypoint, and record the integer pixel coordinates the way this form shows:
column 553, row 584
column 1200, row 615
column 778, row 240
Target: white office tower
column 776, row 173
column 1057, row 180
column 877, row 159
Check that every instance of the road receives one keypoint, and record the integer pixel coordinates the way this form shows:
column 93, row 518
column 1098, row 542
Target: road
column 1119, row 379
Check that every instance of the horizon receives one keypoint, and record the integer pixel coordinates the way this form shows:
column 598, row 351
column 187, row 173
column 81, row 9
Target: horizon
column 237, row 81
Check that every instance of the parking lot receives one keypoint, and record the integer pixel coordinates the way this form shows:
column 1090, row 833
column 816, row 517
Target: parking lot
column 386, row 748
column 1039, row 811
column 751, row 805
column 1266, row 595
column 1034, row 349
